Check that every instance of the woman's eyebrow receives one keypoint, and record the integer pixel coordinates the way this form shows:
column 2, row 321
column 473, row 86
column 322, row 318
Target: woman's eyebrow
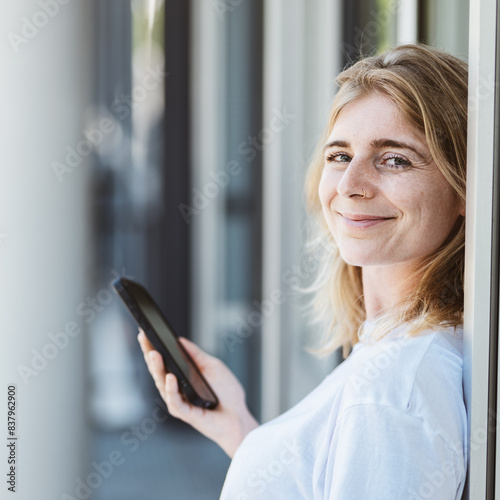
column 340, row 144
column 378, row 144
column 391, row 143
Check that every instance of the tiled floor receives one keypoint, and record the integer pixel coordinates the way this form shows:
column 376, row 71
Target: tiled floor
column 167, row 462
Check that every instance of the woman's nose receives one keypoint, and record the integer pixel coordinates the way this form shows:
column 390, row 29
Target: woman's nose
column 355, row 181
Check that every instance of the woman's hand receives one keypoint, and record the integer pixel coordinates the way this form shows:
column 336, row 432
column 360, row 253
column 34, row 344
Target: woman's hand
column 229, row 422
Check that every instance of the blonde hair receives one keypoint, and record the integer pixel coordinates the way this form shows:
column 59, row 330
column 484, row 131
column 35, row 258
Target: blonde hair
column 429, row 87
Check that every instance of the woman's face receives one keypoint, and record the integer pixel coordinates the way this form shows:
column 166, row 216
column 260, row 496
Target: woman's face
column 383, row 197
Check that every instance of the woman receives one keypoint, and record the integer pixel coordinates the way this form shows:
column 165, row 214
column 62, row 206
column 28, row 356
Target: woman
column 390, row 421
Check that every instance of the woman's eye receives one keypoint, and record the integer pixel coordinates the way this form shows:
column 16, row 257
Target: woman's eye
column 397, row 162
column 338, row 158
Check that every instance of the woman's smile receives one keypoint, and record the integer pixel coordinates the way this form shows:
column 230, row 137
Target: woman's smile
column 363, row 221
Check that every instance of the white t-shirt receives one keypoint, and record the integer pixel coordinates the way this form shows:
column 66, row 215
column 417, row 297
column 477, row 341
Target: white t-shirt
column 389, row 423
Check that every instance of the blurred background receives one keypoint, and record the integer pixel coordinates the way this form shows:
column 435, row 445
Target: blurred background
column 165, row 140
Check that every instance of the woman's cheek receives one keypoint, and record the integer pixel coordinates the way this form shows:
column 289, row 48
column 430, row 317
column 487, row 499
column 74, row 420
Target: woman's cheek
column 327, row 190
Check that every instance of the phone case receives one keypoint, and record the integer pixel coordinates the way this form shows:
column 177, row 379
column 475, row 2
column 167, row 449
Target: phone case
column 122, row 286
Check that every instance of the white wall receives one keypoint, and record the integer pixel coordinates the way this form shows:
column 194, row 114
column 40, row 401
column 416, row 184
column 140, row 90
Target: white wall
column 45, row 85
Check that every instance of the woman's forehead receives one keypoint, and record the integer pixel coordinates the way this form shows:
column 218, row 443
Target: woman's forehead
column 374, row 117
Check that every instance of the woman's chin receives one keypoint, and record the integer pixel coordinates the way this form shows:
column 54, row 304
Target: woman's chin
column 361, row 259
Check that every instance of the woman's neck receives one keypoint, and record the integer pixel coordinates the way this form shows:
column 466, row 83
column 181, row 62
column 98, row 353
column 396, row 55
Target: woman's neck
column 384, row 286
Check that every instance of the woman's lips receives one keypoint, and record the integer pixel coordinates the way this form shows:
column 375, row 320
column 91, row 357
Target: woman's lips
column 363, row 220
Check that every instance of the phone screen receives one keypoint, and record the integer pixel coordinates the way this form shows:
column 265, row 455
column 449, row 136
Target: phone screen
column 169, row 339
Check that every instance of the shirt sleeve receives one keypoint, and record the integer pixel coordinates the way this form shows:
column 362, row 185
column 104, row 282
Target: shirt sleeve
column 381, row 453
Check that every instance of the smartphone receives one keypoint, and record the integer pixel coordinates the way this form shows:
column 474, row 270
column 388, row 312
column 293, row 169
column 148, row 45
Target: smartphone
column 148, row 316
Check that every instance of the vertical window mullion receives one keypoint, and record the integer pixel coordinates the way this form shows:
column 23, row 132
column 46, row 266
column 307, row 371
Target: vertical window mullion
column 480, row 289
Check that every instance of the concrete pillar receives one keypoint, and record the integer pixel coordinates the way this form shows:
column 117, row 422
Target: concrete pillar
column 45, row 89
